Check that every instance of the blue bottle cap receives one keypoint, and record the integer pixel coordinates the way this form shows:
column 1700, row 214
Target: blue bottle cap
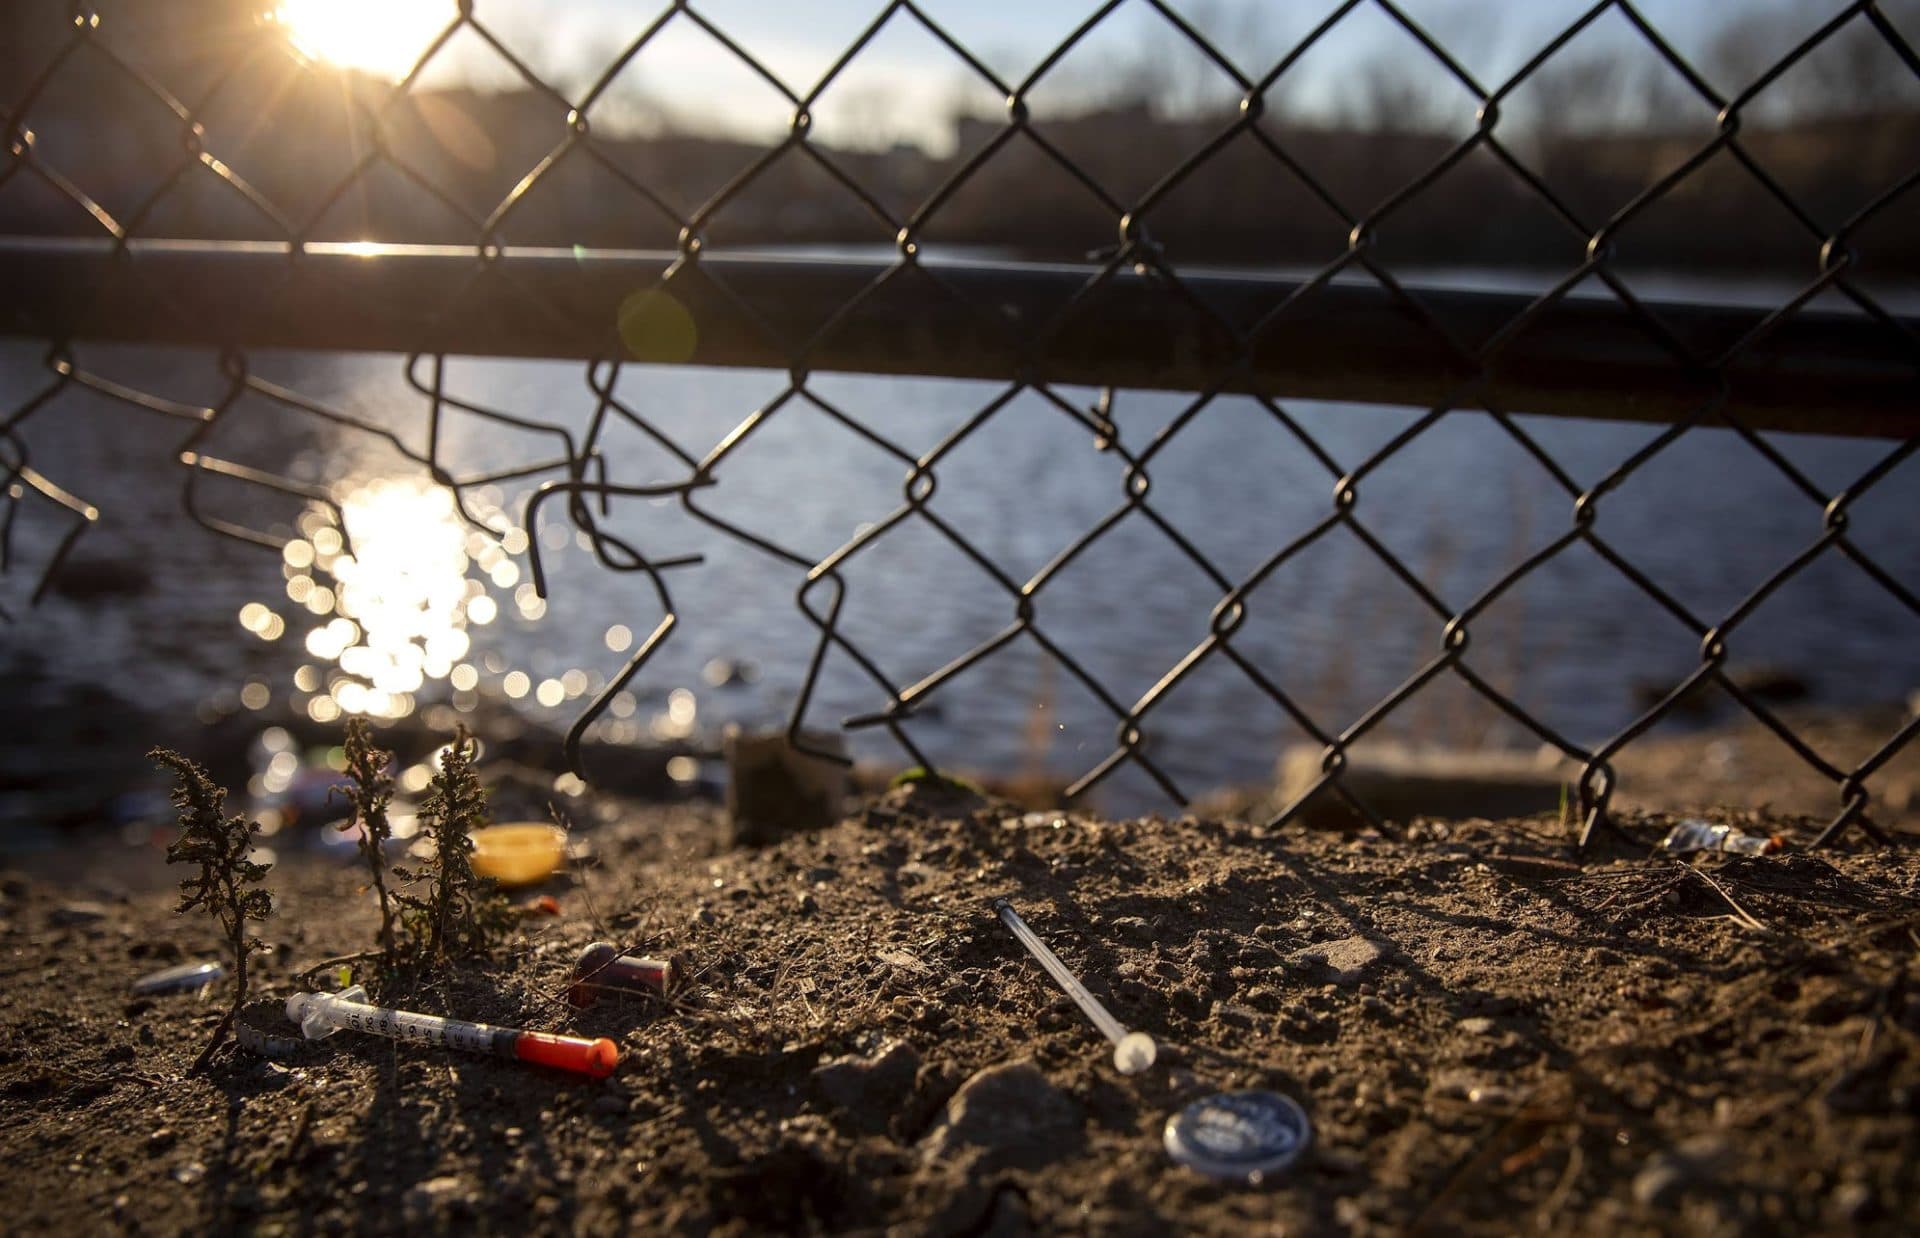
column 1239, row 1135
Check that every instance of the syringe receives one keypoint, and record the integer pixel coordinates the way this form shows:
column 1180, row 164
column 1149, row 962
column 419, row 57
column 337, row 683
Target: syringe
column 322, row 1014
column 1133, row 1052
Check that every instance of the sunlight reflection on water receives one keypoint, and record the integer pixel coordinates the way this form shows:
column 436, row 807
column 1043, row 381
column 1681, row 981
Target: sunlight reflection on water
column 397, row 591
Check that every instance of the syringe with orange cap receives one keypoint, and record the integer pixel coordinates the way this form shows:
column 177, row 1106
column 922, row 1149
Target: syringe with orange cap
column 322, row 1014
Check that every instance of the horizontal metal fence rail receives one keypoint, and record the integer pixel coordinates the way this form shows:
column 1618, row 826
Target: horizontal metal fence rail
column 1131, row 317
column 1822, row 372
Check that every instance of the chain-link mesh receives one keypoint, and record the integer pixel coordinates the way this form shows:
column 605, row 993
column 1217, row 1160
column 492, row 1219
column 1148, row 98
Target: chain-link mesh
column 198, row 166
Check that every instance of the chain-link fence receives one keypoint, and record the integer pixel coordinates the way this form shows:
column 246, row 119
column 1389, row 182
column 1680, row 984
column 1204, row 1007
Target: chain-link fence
column 189, row 176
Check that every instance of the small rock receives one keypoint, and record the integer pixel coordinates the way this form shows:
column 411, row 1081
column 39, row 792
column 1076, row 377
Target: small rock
column 68, row 914
column 1347, row 958
column 271, row 1075
column 806, row 903
column 1853, row 1201
column 1238, row 1016
column 161, row 1139
column 960, row 1210
column 1189, row 1001
column 1013, row 1114
column 1661, row 1181
column 1478, row 1025
column 189, row 1173
column 429, row 1197
column 1471, row 1086
column 1009, row 1215
column 1490, row 1094
column 1668, row 1174
column 1131, row 927
column 869, row 1089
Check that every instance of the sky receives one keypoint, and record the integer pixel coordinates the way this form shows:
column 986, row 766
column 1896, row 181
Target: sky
column 906, row 86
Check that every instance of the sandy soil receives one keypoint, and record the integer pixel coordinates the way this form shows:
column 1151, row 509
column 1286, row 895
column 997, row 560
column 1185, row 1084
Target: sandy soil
column 1489, row 1032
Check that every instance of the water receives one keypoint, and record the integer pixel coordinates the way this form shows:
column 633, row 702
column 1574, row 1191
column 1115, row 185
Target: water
column 1577, row 643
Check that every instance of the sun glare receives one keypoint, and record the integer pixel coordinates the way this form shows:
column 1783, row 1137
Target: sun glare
column 382, row 37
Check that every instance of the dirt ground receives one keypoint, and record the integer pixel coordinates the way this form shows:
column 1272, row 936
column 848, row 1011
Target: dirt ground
column 1489, row 1032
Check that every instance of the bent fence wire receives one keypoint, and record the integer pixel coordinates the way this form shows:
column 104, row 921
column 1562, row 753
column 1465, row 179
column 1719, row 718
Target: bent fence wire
column 1128, row 318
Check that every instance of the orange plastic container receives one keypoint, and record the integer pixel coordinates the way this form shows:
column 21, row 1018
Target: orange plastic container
column 520, row 853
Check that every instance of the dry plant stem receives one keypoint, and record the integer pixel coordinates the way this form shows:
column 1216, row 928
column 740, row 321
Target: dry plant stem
column 220, row 845
column 219, row 1038
column 1741, row 915
column 459, row 915
column 579, row 871
column 371, row 793
column 1524, row 1121
column 339, row 960
column 301, row 1126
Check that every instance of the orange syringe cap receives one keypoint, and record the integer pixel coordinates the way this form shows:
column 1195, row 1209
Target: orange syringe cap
column 575, row 1053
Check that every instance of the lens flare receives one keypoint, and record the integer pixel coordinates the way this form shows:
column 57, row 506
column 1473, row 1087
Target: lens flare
column 381, row 37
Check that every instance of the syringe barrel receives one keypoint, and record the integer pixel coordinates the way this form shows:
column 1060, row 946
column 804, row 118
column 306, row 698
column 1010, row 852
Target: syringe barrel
column 1090, row 1005
column 425, row 1029
column 576, row 1053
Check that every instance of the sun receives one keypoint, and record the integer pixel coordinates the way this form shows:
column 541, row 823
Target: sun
column 381, row 37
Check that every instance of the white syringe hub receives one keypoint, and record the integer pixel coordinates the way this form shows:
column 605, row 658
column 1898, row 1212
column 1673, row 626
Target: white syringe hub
column 1133, row 1053
column 314, row 1011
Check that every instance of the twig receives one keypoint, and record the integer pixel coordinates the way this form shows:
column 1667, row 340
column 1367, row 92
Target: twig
column 300, row 1127
column 359, row 956
column 1552, row 1104
column 109, row 1078
column 579, row 872
column 1655, row 890
column 219, row 1040
column 1740, row 914
column 1557, row 1198
column 1731, row 1006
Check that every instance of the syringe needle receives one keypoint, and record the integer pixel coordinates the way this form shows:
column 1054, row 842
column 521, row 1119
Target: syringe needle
column 1133, row 1052
column 322, row 1014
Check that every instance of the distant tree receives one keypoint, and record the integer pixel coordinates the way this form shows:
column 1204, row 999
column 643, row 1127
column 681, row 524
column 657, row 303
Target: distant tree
column 1574, row 93
column 869, row 115
column 1853, row 70
column 1385, row 94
